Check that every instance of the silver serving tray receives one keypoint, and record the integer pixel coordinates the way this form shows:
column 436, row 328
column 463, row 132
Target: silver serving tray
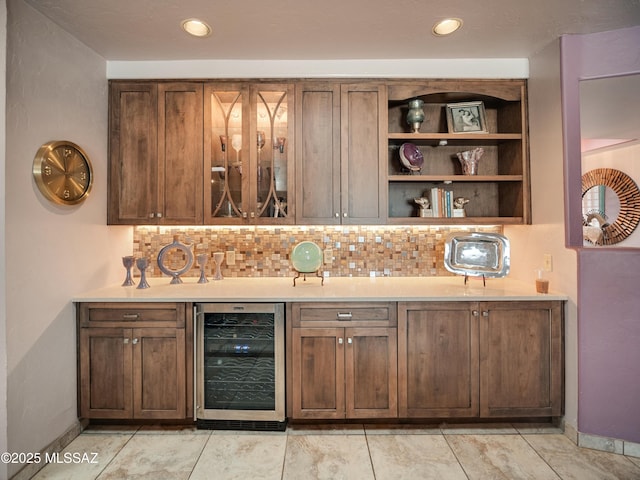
column 477, row 254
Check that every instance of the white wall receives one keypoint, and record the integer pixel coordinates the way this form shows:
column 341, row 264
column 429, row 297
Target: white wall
column 546, row 235
column 3, row 303
column 56, row 89
column 627, row 160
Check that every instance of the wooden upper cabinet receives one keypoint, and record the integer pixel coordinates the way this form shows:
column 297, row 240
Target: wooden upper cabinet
column 248, row 160
column 318, row 155
column 363, row 121
column 155, row 153
column 340, row 135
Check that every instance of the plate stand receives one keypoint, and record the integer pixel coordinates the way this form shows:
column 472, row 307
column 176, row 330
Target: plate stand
column 466, row 277
column 304, row 277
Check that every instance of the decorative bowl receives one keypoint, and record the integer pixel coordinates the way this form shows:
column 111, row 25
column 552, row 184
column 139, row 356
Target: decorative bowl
column 411, row 157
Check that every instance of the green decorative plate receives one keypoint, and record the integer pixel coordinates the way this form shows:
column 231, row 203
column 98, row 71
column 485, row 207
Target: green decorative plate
column 306, row 257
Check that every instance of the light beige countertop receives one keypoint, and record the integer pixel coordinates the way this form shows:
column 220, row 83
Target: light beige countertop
column 335, row 289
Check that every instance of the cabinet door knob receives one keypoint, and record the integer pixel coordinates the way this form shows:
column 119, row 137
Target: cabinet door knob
column 152, row 215
column 485, row 314
column 134, row 341
column 344, row 214
column 159, row 214
column 475, row 313
column 125, row 341
column 337, row 215
column 349, row 340
column 340, row 341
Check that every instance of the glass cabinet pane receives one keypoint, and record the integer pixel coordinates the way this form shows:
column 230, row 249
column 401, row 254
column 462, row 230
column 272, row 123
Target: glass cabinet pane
column 271, row 165
column 227, row 153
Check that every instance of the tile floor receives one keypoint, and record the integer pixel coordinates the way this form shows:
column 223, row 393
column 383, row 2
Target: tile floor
column 355, row 452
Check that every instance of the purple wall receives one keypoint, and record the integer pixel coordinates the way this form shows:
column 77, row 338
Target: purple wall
column 608, row 278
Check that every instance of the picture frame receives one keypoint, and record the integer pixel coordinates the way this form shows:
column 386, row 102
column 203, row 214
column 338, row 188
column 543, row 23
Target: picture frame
column 466, row 117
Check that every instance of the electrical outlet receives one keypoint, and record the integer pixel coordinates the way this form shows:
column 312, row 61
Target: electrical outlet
column 548, row 262
column 231, row 257
column 328, row 256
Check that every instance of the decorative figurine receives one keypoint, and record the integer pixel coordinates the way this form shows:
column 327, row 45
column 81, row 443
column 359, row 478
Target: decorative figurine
column 458, row 206
column 425, row 206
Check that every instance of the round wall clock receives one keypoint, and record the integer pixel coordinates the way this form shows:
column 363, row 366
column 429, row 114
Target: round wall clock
column 63, row 172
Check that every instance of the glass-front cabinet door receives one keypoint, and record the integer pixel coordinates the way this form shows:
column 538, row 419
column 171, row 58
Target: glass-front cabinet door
column 248, row 153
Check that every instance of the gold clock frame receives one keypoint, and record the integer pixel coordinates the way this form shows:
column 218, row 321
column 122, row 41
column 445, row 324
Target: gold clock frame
column 63, row 172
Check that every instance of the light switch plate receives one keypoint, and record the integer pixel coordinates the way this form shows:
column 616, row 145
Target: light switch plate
column 231, row 257
column 547, row 263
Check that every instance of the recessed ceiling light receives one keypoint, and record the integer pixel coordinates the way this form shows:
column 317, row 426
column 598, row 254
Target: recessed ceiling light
column 196, row 27
column 447, row 26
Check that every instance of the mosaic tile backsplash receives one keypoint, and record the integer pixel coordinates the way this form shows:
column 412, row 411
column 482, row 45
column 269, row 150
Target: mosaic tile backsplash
column 357, row 251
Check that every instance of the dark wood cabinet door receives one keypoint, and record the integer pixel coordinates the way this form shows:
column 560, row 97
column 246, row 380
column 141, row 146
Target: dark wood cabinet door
column 105, row 381
column 159, row 373
column 371, row 372
column 438, row 359
column 156, row 153
column 363, row 169
column 521, row 357
column 133, row 153
column 180, row 153
column 318, row 373
column 318, row 153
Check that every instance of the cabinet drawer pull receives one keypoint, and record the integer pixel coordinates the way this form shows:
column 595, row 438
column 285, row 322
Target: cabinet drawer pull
column 130, row 316
column 344, row 316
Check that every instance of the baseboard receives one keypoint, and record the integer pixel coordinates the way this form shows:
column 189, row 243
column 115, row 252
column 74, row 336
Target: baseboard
column 59, row 444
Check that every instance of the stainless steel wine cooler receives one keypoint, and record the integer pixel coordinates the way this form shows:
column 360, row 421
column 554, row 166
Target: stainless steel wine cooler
column 239, row 354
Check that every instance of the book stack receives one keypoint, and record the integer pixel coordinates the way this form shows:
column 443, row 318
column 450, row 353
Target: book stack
column 441, row 202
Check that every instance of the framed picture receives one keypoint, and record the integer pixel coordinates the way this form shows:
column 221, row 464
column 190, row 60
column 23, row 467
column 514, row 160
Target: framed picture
column 467, row 117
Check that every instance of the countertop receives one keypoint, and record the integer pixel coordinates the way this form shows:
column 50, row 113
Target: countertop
column 335, row 289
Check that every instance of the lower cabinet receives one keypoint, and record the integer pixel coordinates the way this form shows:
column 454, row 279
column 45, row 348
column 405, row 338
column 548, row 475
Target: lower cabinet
column 486, row 359
column 521, row 359
column 133, row 361
column 343, row 361
column 438, row 363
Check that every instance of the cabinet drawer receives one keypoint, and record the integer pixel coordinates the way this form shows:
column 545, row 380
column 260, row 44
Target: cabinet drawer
column 344, row 314
column 141, row 314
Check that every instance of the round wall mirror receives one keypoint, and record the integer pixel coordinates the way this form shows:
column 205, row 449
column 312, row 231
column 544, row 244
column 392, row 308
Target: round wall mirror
column 610, row 206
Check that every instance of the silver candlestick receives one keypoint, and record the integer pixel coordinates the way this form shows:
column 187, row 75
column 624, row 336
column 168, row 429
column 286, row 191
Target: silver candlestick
column 202, row 261
column 142, row 264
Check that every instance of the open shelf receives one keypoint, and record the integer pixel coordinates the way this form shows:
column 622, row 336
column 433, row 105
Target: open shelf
column 500, row 193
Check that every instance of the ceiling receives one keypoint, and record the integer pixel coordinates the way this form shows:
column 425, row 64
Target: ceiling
column 330, row 29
